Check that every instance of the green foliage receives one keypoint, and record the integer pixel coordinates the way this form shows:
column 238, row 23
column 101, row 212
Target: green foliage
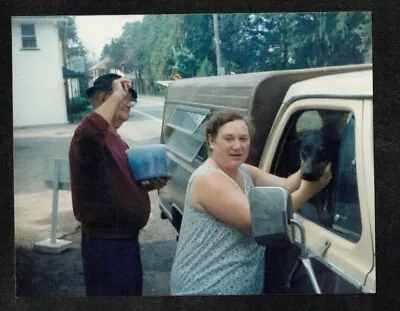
column 68, row 34
column 78, row 104
column 73, row 44
column 162, row 45
column 83, row 85
column 206, row 69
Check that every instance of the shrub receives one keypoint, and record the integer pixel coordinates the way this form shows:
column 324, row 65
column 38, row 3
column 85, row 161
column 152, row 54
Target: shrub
column 78, row 104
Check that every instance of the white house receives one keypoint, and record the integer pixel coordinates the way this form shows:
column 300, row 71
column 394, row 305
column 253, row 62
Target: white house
column 39, row 94
column 102, row 68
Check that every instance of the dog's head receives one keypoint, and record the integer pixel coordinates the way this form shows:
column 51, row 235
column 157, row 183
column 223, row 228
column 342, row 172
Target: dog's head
column 317, row 150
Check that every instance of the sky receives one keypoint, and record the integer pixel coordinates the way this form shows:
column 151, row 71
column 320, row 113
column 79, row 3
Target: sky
column 97, row 30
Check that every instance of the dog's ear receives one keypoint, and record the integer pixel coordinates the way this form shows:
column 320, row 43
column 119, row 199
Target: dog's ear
column 299, row 140
column 331, row 133
column 333, row 143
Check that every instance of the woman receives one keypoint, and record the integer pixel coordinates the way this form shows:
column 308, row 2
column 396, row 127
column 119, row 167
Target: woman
column 216, row 254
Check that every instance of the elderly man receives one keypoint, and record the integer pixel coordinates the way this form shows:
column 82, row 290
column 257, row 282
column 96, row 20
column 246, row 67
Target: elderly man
column 110, row 205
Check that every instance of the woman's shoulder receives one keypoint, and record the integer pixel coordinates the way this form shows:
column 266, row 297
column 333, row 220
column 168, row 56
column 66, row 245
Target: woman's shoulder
column 248, row 169
column 208, row 176
column 248, row 174
column 207, row 172
column 204, row 169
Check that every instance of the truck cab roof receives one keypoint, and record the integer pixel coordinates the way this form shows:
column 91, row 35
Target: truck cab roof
column 344, row 85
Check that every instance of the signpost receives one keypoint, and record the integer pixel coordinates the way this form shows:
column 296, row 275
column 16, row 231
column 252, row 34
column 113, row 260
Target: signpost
column 76, row 63
column 56, row 177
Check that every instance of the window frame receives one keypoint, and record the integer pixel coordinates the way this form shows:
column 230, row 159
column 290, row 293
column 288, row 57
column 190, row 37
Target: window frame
column 189, row 133
column 354, row 259
column 29, row 36
column 188, row 110
column 341, row 230
column 290, row 129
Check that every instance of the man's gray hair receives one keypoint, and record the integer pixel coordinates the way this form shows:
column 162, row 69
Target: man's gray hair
column 94, row 99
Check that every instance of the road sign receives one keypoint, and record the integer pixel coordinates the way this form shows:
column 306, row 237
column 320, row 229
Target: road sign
column 76, row 63
column 177, row 76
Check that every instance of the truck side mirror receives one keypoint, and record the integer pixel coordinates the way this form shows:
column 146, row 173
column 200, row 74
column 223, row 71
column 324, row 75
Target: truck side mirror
column 271, row 214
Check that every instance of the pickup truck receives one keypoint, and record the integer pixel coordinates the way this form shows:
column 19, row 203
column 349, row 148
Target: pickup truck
column 283, row 105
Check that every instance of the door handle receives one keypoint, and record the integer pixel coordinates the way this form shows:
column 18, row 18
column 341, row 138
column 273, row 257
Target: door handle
column 323, row 250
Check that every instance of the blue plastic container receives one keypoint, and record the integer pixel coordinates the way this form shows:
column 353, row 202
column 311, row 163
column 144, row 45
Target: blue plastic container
column 148, row 162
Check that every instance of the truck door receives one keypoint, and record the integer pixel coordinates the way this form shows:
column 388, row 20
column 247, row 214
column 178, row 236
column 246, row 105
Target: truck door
column 342, row 249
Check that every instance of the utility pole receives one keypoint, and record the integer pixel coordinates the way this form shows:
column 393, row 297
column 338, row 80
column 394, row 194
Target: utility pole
column 217, row 45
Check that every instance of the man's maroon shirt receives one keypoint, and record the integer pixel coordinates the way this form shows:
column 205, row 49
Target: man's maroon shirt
column 107, row 201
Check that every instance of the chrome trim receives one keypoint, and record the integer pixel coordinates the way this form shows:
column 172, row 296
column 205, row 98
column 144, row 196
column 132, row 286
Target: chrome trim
column 189, row 103
column 366, row 290
column 310, row 271
column 203, row 112
column 178, row 160
column 302, row 236
column 166, row 212
column 334, row 268
column 194, row 109
column 327, row 96
column 181, row 129
column 180, row 154
column 173, row 205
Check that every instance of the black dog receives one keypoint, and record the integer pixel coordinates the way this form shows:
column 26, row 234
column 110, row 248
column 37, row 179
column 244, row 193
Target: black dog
column 317, row 150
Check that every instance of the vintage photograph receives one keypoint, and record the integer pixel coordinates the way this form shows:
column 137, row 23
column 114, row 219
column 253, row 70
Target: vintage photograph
column 193, row 154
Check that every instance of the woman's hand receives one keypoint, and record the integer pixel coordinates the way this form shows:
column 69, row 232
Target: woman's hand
column 313, row 187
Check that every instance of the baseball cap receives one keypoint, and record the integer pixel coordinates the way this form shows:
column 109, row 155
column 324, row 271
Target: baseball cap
column 104, row 83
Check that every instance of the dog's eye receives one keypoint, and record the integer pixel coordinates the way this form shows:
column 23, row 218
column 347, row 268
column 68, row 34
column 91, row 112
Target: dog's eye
column 321, row 150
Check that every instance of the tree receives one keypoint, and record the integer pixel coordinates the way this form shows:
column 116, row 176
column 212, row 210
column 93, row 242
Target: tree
column 239, row 48
column 116, row 51
column 365, row 33
column 199, row 38
column 162, row 45
column 70, row 40
column 206, row 69
column 328, row 39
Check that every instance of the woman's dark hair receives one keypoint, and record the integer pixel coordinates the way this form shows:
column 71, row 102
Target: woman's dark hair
column 219, row 118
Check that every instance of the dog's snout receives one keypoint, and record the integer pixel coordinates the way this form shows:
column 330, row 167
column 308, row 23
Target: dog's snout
column 310, row 171
column 309, row 176
column 314, row 154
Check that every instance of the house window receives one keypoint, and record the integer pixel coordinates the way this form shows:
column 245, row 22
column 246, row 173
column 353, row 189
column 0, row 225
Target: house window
column 28, row 35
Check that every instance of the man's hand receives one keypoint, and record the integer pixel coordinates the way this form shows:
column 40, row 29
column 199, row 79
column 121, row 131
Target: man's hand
column 120, row 88
column 154, row 184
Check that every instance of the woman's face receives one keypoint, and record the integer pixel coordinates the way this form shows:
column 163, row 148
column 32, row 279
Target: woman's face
column 230, row 148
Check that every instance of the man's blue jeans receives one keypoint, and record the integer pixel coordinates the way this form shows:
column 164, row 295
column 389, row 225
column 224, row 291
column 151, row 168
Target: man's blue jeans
column 112, row 267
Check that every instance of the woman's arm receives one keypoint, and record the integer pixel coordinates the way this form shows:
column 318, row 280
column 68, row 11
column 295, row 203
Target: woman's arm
column 301, row 190
column 261, row 178
column 218, row 196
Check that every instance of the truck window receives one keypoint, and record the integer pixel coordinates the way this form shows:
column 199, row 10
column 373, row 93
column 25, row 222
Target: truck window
column 347, row 218
column 187, row 120
column 341, row 198
column 187, row 132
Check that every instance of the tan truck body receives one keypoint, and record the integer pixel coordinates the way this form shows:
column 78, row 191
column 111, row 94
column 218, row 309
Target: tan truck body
column 281, row 104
